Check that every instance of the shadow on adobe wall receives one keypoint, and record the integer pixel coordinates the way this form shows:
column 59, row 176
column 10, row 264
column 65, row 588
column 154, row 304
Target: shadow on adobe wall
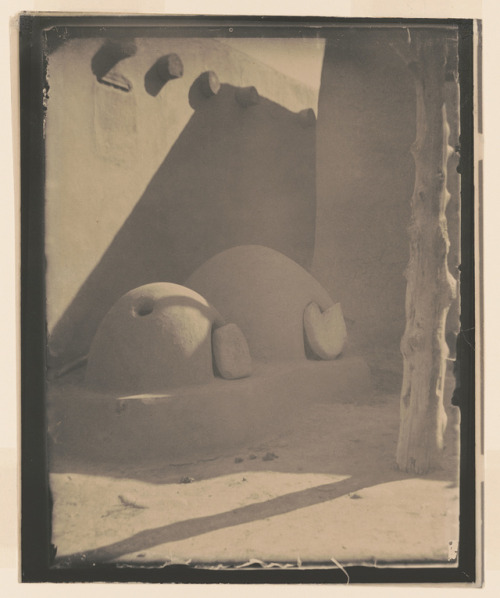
column 236, row 175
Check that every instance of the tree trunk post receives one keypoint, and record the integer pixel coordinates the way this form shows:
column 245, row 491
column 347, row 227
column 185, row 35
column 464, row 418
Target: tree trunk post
column 430, row 286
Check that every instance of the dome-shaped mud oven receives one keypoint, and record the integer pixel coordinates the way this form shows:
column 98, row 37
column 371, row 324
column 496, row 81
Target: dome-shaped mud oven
column 283, row 311
column 158, row 337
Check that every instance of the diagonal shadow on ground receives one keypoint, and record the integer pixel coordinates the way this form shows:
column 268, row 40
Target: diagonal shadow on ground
column 189, row 528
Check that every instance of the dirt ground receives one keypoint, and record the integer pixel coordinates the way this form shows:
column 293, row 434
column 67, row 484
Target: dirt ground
column 323, row 490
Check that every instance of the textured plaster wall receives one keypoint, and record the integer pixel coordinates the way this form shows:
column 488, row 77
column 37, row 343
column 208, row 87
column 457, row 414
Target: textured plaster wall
column 365, row 178
column 141, row 187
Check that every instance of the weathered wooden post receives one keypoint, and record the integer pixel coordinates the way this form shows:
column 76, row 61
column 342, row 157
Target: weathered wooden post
column 430, row 286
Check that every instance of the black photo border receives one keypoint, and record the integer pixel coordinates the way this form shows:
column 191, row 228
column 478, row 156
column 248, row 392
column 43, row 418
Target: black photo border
column 36, row 550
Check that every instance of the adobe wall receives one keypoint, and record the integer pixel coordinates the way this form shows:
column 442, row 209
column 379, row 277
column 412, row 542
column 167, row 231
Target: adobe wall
column 365, row 179
column 145, row 185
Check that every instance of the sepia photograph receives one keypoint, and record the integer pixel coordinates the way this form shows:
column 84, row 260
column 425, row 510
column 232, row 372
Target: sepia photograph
column 248, row 299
